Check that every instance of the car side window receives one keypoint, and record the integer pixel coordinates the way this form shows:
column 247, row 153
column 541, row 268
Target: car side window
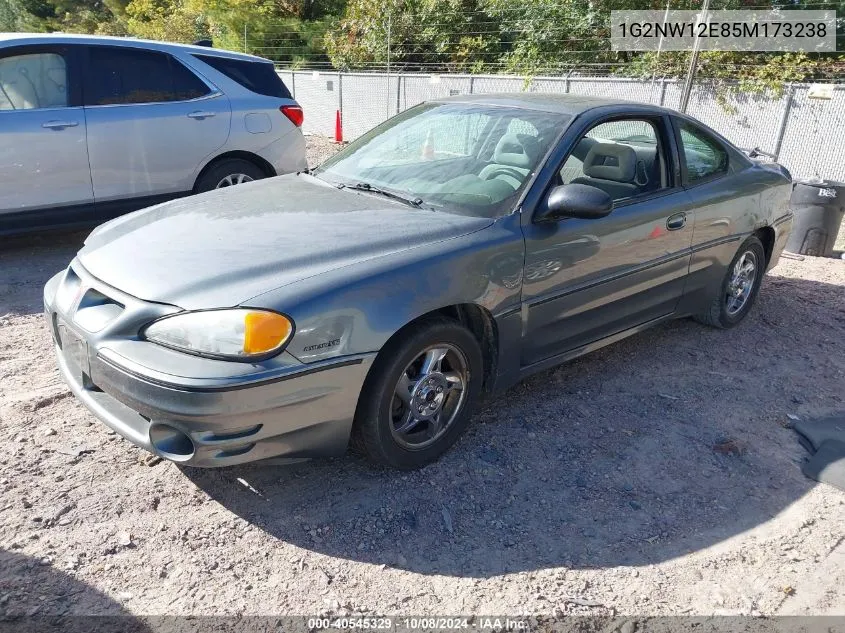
column 129, row 75
column 704, row 156
column 624, row 158
column 32, row 81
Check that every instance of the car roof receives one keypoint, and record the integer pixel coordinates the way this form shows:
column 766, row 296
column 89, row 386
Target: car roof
column 19, row 39
column 560, row 103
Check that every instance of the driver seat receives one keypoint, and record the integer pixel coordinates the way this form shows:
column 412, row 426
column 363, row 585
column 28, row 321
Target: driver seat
column 611, row 167
column 513, row 158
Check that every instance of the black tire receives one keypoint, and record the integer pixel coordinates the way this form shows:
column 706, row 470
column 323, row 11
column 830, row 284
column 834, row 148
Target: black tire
column 228, row 167
column 373, row 429
column 717, row 314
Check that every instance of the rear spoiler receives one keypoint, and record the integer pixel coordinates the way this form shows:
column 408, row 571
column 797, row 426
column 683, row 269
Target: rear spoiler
column 768, row 162
column 756, row 152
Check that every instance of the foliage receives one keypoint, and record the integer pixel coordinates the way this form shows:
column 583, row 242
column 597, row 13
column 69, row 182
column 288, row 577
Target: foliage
column 448, row 35
column 10, row 13
column 748, row 73
column 284, row 30
column 536, row 37
column 80, row 16
column 168, row 20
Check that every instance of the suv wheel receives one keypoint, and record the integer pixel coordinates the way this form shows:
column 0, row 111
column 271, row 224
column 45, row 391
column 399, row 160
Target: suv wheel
column 229, row 172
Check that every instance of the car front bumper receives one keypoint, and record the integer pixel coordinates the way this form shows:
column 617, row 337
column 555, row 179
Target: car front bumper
column 199, row 418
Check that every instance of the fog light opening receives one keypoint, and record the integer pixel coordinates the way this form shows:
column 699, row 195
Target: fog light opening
column 171, row 443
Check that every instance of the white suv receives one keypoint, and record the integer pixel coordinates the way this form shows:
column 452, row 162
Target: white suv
column 92, row 127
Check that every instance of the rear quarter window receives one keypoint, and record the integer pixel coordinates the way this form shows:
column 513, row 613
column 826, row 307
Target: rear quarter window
column 704, row 156
column 258, row 77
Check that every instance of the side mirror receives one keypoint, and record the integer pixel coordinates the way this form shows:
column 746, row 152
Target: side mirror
column 576, row 201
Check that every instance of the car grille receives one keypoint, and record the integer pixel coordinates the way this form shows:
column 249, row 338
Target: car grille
column 86, row 306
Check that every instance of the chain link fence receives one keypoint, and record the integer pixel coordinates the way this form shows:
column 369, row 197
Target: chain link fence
column 807, row 135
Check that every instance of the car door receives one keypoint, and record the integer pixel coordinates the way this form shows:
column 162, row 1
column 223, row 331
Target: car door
column 152, row 122
column 727, row 206
column 585, row 280
column 43, row 153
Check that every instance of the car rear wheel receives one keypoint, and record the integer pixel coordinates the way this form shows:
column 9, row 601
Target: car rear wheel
column 229, row 172
column 419, row 395
column 739, row 287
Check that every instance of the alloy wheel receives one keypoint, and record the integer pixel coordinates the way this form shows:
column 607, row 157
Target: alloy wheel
column 428, row 396
column 741, row 283
column 233, row 179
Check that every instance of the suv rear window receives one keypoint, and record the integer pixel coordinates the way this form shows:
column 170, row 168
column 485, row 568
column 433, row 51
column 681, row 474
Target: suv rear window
column 132, row 75
column 258, row 77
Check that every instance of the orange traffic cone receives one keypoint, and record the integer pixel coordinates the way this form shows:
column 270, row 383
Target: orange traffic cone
column 427, row 148
column 338, row 129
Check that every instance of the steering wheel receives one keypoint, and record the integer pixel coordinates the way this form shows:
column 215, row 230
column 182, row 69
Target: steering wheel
column 504, row 171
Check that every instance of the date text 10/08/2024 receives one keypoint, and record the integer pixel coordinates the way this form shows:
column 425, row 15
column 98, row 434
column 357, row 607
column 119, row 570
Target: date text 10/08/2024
column 421, row 623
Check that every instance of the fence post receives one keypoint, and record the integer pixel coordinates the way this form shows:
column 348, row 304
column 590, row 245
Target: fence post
column 471, row 83
column 340, row 93
column 387, row 78
column 662, row 91
column 784, row 119
column 398, row 91
column 693, row 62
column 293, row 83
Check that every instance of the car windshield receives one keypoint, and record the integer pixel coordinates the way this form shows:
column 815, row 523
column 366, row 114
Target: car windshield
column 468, row 158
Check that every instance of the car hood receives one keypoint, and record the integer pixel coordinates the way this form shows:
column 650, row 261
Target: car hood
column 223, row 247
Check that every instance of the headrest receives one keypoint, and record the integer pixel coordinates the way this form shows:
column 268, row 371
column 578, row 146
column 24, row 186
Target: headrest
column 611, row 161
column 517, row 150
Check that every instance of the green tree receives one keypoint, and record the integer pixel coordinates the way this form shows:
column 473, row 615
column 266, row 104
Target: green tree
column 169, row 20
column 449, row 35
column 10, row 14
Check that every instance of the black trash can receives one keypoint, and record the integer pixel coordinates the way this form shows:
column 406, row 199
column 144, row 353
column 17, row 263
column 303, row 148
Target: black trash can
column 818, row 208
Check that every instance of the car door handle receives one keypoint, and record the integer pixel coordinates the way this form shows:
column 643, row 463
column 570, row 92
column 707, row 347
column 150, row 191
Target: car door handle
column 677, row 221
column 59, row 125
column 201, row 114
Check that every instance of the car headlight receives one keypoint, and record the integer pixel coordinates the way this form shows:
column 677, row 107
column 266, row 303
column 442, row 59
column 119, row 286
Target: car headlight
column 232, row 334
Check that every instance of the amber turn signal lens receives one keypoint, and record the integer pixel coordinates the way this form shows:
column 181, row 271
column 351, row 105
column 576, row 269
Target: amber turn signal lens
column 265, row 331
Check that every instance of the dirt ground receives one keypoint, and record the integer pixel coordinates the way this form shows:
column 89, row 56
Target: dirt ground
column 655, row 476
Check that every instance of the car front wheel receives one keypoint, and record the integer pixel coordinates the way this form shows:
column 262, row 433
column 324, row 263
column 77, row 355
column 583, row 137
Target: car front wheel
column 739, row 287
column 419, row 395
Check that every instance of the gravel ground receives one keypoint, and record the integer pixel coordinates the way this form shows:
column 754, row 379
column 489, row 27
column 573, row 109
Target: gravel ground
column 655, row 476
column 319, row 149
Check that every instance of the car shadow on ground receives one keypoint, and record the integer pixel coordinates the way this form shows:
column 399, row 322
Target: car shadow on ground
column 39, row 597
column 27, row 262
column 653, row 448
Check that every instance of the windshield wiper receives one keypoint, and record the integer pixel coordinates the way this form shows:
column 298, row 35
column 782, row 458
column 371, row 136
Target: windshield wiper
column 365, row 186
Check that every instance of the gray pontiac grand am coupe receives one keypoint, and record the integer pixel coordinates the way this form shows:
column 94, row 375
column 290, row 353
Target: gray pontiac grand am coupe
column 453, row 250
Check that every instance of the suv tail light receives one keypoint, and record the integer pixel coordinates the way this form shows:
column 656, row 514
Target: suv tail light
column 294, row 113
